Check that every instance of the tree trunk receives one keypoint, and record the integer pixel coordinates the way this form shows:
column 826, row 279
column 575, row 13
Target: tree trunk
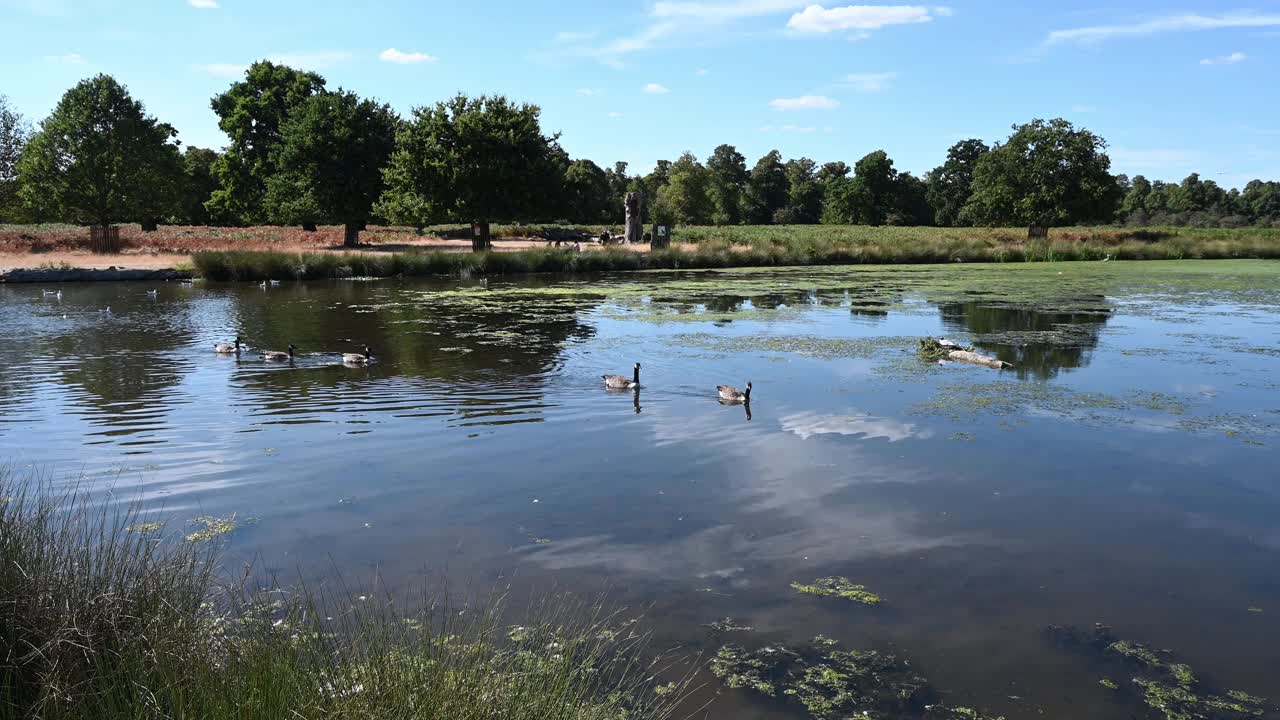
column 634, row 204
column 351, row 235
column 480, row 241
column 149, row 225
column 1037, row 232
column 419, row 229
column 308, row 227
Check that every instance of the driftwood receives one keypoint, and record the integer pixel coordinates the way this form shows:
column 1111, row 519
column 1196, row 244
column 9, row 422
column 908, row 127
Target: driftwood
column 941, row 349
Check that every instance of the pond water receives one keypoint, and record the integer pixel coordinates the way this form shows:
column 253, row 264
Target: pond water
column 1125, row 472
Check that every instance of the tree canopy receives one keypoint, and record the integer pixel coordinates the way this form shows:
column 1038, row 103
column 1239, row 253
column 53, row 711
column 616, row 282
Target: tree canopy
column 767, row 189
column 98, row 158
column 471, row 160
column 951, row 184
column 330, row 157
column 251, row 113
column 14, row 133
column 1046, row 174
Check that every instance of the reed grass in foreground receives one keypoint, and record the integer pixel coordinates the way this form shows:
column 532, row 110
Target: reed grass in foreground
column 754, row 247
column 102, row 616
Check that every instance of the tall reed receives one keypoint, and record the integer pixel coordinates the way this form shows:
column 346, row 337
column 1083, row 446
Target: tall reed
column 102, row 616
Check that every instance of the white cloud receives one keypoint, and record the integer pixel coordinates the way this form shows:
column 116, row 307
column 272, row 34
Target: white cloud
column 656, row 89
column 68, row 59
column 1157, row 26
column 702, row 72
column 817, row 19
column 805, row 102
column 223, row 69
column 809, row 424
column 1232, row 59
column 589, row 92
column 204, row 4
column 870, row 82
column 319, row 60
column 393, row 55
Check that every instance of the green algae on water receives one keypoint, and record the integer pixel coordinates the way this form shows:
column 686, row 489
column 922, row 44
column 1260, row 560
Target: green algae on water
column 1171, row 689
column 727, row 625
column 841, row 587
column 211, row 528
column 146, row 528
column 835, row 684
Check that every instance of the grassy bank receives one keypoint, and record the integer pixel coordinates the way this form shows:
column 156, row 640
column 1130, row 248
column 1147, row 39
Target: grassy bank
column 761, row 247
column 102, row 616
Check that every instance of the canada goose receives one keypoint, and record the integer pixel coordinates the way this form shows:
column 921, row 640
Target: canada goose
column 274, row 282
column 731, row 394
column 52, row 293
column 621, row 382
column 152, row 293
column 358, row 358
column 277, row 356
column 105, row 311
column 263, row 284
column 228, row 348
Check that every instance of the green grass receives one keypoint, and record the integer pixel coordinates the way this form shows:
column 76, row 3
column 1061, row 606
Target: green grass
column 765, row 246
column 104, row 616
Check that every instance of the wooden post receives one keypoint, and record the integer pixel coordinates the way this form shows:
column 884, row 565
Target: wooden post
column 661, row 237
column 634, row 203
column 480, row 241
column 1037, row 232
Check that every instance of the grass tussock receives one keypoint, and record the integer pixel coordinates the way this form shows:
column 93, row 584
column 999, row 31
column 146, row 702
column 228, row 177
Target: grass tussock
column 105, row 616
column 760, row 247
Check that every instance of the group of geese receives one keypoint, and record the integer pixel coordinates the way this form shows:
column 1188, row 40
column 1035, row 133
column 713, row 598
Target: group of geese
column 234, row 348
column 727, row 393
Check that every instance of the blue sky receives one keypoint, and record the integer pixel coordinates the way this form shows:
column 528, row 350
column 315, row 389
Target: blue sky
column 1174, row 88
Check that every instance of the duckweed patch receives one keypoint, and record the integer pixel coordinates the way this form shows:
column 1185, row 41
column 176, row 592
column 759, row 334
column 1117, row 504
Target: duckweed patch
column 841, row 587
column 1171, row 689
column 146, row 528
column 727, row 625
column 211, row 528
column 831, row 683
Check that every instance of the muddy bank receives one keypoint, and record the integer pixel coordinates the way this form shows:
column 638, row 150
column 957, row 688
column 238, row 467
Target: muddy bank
column 63, row 275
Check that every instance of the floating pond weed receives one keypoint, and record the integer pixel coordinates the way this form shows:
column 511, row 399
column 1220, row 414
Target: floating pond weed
column 841, row 587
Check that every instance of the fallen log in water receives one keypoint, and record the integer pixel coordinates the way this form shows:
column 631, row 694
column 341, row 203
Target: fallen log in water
column 941, row 349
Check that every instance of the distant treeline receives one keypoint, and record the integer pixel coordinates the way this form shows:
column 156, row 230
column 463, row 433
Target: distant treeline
column 303, row 154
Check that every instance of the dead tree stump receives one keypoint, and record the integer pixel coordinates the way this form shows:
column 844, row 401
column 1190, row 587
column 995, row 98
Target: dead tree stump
column 634, row 203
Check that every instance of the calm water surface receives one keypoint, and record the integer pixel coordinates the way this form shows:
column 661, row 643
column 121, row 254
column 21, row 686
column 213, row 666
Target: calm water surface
column 1125, row 472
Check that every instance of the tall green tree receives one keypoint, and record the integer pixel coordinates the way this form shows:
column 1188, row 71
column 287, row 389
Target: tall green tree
column 1135, row 201
column 804, row 193
column 332, row 150
column 251, row 113
column 163, row 202
column 198, row 186
column 1261, row 201
column 866, row 199
column 951, row 184
column 766, row 189
column 14, row 133
column 728, row 180
column 911, row 202
column 1046, row 174
column 98, row 158
column 619, row 186
column 471, row 160
column 588, row 197
column 833, row 171
column 686, row 198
